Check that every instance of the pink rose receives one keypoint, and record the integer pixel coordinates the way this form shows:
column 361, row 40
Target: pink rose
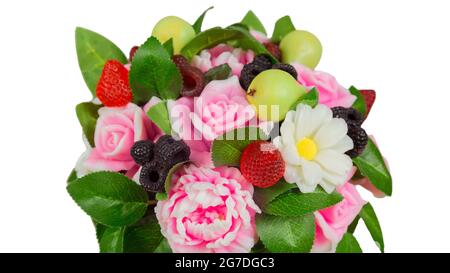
column 116, row 131
column 331, row 93
column 236, row 58
column 209, row 211
column 259, row 36
column 221, row 107
column 332, row 223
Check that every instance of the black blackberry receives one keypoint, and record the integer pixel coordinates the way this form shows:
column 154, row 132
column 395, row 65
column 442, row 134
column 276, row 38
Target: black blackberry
column 153, row 176
column 142, row 151
column 171, row 151
column 351, row 116
column 360, row 139
column 251, row 70
column 287, row 68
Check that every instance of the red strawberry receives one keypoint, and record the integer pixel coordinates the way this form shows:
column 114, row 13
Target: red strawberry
column 113, row 89
column 369, row 98
column 262, row 164
column 133, row 51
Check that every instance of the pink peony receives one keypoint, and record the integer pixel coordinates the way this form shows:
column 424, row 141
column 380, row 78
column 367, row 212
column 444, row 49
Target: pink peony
column 209, row 211
column 331, row 93
column 236, row 58
column 332, row 223
column 221, row 107
column 116, row 131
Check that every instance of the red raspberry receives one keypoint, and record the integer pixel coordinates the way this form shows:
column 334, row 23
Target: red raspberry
column 262, row 164
column 369, row 98
column 113, row 89
column 274, row 49
column 133, row 52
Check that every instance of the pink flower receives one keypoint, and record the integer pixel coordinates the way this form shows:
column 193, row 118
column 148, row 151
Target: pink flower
column 332, row 223
column 259, row 36
column 221, row 107
column 331, row 93
column 116, row 131
column 209, row 211
column 236, row 58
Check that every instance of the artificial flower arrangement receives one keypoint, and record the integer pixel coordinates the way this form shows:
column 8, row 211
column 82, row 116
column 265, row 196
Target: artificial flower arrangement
column 223, row 140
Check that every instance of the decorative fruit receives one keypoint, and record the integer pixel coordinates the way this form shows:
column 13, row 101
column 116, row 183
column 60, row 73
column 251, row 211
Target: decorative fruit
column 302, row 47
column 133, row 51
column 176, row 28
column 359, row 138
column 369, row 98
column 251, row 70
column 274, row 49
column 262, row 164
column 113, row 88
column 272, row 93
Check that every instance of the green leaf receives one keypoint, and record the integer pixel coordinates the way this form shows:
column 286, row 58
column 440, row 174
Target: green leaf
column 87, row 113
column 252, row 21
column 311, row 98
column 369, row 217
column 161, row 196
column 360, row 103
column 293, row 204
column 109, row 198
column 286, row 234
column 283, row 26
column 353, row 225
column 163, row 247
column 221, row 72
column 144, row 237
column 227, row 148
column 263, row 197
column 259, row 248
column 168, row 46
column 93, row 52
column 199, row 22
column 72, row 177
column 154, row 74
column 167, row 185
column 209, row 38
column 371, row 165
column 160, row 116
column 99, row 231
column 247, row 41
column 348, row 244
column 112, row 240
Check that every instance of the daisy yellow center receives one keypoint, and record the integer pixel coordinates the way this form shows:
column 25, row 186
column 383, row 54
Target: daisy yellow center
column 307, row 148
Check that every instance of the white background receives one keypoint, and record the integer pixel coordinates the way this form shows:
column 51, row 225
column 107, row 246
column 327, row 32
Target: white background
column 399, row 48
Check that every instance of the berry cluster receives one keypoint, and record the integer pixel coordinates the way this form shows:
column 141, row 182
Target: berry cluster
column 157, row 159
column 354, row 120
column 260, row 64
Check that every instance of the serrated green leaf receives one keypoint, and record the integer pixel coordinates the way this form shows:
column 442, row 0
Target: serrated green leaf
column 348, row 244
column 360, row 103
column 159, row 114
column 72, row 177
column 112, row 240
column 253, row 22
column 87, row 113
column 371, row 165
column 286, row 234
column 209, row 38
column 99, row 231
column 283, row 26
column 221, row 72
column 143, row 237
column 199, row 22
column 168, row 46
column 109, row 198
column 93, row 51
column 263, row 197
column 291, row 204
column 311, row 98
column 154, row 74
column 163, row 247
column 227, row 148
column 369, row 217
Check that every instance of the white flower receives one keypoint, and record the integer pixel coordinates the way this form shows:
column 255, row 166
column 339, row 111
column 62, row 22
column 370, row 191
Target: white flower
column 313, row 144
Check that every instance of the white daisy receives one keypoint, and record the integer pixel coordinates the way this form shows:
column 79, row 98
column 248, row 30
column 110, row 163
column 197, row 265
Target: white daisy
column 313, row 144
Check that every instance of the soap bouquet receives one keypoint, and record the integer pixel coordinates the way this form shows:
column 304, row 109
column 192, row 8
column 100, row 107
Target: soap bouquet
column 222, row 141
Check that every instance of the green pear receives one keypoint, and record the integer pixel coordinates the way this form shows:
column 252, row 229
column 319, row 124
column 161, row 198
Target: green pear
column 302, row 47
column 175, row 28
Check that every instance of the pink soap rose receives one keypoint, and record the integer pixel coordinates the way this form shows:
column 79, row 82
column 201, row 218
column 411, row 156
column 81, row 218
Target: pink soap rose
column 116, row 131
column 209, row 211
column 236, row 58
column 221, row 107
column 332, row 223
column 259, row 36
column 331, row 93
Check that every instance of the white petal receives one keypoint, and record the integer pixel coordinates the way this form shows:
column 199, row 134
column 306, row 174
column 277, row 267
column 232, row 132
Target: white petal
column 287, row 132
column 330, row 133
column 293, row 174
column 312, row 172
column 302, row 121
column 333, row 161
column 306, row 188
column 344, row 145
column 321, row 115
column 328, row 187
column 290, row 154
